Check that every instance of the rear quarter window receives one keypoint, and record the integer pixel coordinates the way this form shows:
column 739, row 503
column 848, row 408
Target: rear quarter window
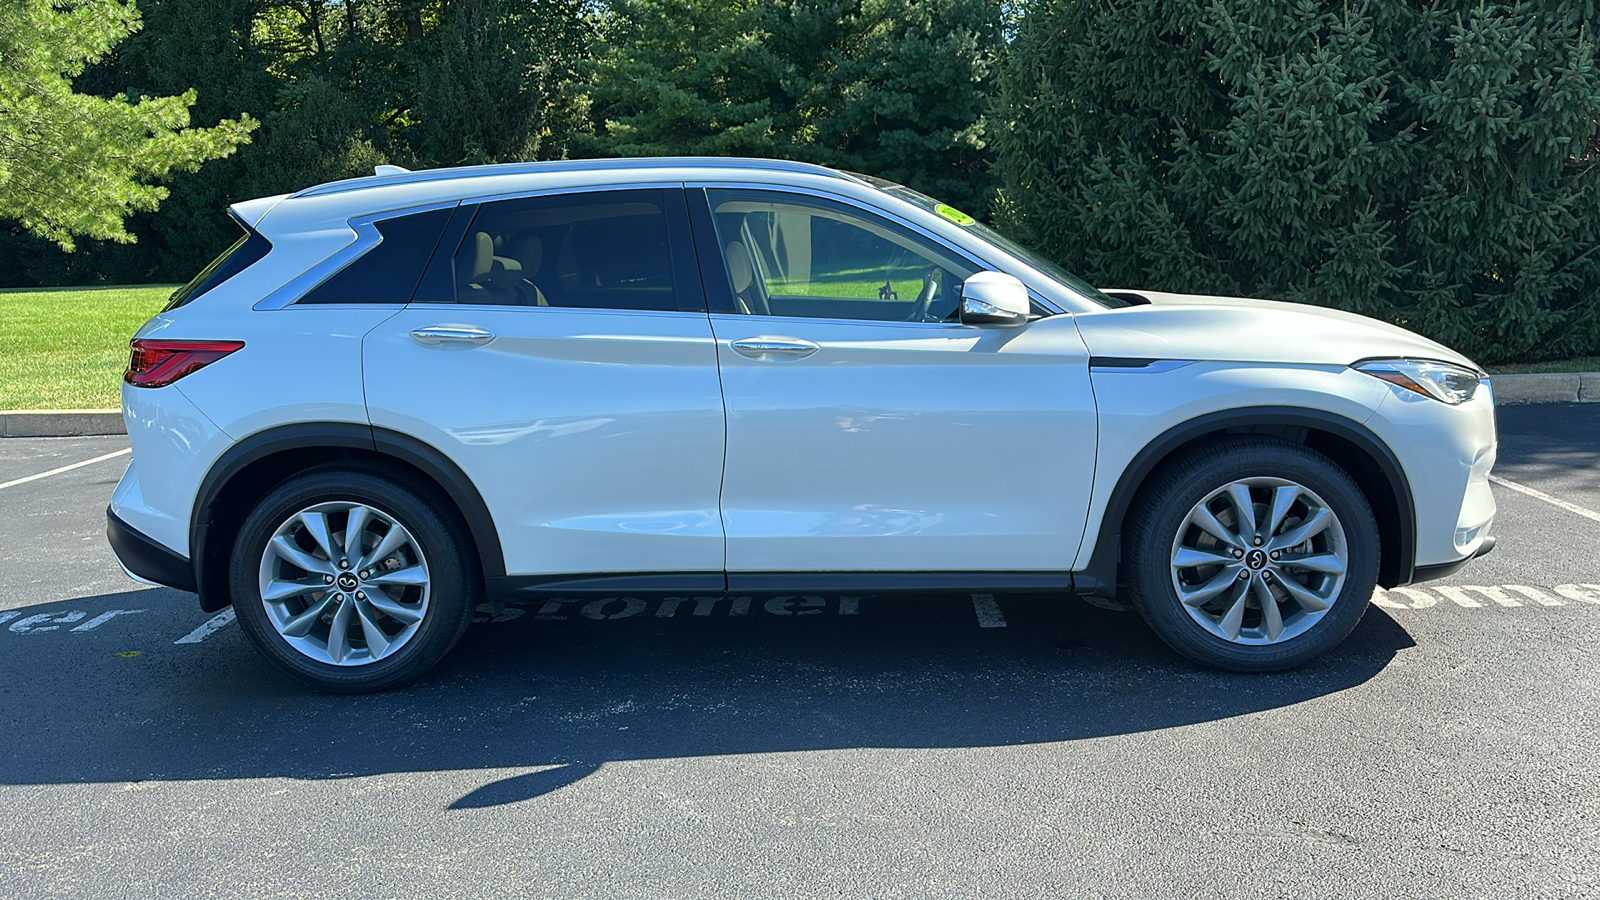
column 390, row 270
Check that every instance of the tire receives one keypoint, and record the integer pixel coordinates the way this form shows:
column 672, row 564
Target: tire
column 401, row 613
column 1172, row 546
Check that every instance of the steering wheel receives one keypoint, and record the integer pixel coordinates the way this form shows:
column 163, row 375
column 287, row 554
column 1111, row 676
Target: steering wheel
column 926, row 296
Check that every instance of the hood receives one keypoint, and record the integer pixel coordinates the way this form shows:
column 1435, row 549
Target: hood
column 1238, row 329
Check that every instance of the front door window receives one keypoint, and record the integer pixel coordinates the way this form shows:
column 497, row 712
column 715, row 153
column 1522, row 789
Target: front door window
column 791, row 255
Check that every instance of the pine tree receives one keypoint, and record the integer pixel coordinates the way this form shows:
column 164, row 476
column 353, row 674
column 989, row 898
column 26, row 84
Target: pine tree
column 1431, row 164
column 494, row 82
column 893, row 88
column 672, row 80
column 75, row 164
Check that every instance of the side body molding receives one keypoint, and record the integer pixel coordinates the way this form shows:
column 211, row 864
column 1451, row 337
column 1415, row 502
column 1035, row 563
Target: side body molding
column 330, row 437
column 1100, row 577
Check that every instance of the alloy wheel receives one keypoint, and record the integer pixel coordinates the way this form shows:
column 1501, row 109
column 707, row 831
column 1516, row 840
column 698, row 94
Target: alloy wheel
column 1259, row 561
column 344, row 583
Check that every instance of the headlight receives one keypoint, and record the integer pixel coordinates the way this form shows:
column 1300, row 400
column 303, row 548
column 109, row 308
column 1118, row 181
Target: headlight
column 1442, row 381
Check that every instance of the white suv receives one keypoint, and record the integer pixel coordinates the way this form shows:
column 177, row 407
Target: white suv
column 399, row 396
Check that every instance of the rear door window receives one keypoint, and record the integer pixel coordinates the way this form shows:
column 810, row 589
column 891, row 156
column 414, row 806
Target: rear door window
column 619, row 249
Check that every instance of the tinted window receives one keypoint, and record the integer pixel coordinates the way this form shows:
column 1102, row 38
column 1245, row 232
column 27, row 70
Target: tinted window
column 788, row 255
column 245, row 252
column 438, row 283
column 595, row 250
column 389, row 271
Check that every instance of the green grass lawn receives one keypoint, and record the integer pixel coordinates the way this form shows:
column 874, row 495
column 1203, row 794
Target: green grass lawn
column 66, row 348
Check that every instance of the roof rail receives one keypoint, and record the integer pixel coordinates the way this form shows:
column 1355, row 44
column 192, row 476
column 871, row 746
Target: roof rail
column 565, row 165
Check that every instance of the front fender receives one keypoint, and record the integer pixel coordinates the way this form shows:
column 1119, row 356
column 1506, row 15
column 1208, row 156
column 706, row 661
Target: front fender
column 1146, row 412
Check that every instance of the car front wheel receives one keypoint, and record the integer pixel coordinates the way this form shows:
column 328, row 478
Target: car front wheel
column 1251, row 554
column 350, row 581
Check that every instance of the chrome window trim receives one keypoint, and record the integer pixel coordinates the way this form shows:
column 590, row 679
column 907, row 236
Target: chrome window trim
column 983, row 263
column 367, row 237
column 742, row 317
column 574, row 189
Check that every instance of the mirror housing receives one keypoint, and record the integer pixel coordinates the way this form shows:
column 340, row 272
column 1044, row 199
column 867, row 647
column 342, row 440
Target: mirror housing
column 994, row 298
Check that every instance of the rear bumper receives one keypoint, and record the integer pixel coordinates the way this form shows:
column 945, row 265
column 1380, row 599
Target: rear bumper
column 145, row 559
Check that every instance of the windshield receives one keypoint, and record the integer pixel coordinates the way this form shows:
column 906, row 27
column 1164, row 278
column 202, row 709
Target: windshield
column 983, row 231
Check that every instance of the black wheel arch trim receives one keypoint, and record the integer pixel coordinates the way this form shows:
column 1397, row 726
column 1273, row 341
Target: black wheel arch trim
column 455, row 482
column 350, row 435
column 1099, row 578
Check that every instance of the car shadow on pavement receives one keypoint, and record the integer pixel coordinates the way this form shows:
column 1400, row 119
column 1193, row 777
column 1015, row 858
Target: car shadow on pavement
column 566, row 696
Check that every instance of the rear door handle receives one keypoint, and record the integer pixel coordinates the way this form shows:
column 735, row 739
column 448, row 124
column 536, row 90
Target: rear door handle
column 757, row 347
column 452, row 334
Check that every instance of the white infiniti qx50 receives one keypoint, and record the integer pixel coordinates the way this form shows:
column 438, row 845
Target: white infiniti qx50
column 399, row 395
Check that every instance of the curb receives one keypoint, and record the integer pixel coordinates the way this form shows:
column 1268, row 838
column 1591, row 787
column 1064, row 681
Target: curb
column 61, row 422
column 1575, row 387
column 1566, row 387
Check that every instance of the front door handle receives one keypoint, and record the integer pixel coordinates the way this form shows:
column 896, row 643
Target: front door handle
column 758, row 347
column 452, row 334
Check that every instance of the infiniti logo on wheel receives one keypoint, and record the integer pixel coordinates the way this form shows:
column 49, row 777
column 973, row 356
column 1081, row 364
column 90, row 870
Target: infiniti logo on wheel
column 1256, row 559
column 347, row 582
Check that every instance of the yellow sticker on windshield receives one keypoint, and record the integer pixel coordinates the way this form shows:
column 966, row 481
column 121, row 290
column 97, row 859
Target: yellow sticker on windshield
column 954, row 215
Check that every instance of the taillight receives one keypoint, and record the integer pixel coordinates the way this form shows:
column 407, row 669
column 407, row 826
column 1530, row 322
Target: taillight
column 157, row 363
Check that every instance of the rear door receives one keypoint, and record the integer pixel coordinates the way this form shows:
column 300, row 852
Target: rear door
column 559, row 352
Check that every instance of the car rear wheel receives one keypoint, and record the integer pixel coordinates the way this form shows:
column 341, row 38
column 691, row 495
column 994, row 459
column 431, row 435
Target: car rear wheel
column 1251, row 554
column 350, row 581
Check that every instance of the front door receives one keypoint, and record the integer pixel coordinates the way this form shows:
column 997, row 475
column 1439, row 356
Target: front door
column 870, row 431
column 563, row 359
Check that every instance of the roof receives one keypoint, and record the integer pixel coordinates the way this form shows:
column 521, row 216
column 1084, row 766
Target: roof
column 567, row 166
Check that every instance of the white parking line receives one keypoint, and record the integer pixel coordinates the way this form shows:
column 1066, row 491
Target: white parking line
column 1524, row 489
column 1499, row 595
column 103, row 618
column 989, row 615
column 211, row 626
column 77, row 465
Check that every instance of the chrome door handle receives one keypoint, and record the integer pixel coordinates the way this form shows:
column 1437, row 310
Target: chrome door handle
column 760, row 346
column 452, row 334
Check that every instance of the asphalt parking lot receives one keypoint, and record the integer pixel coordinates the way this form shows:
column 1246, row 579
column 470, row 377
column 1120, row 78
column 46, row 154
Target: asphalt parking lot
column 949, row 746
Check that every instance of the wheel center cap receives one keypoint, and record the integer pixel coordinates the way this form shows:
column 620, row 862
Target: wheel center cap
column 347, row 582
column 1256, row 559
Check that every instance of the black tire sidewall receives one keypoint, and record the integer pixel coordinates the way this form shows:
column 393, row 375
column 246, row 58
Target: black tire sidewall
column 1181, row 484
column 450, row 599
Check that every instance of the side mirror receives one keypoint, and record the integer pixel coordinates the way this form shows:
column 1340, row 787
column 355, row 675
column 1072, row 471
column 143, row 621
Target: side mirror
column 994, row 298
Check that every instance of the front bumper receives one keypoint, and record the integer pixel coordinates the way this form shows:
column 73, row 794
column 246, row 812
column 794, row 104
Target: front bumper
column 1432, row 573
column 145, row 559
column 1446, row 453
